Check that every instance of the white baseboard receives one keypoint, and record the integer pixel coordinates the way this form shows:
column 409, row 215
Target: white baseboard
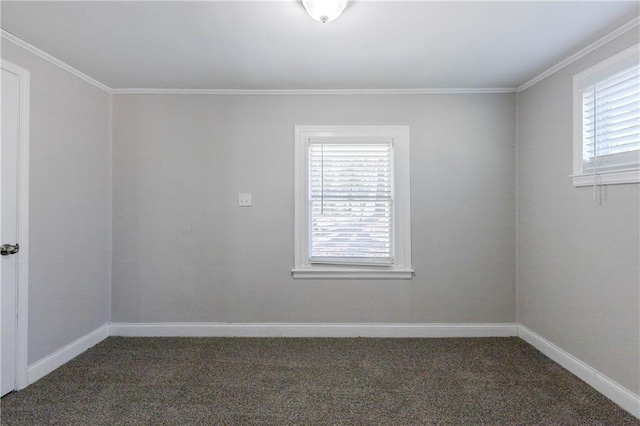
column 609, row 388
column 46, row 365
column 311, row 330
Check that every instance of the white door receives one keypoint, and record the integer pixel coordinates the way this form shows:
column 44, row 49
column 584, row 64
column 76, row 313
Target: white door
column 9, row 148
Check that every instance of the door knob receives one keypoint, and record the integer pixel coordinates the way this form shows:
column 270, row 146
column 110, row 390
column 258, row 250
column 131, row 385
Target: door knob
column 8, row 249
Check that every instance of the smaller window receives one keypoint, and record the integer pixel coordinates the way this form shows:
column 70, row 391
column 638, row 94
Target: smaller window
column 351, row 202
column 606, row 106
column 352, row 217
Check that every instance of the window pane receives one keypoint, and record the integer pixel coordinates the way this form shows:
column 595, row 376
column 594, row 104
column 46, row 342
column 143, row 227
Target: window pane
column 611, row 121
column 351, row 203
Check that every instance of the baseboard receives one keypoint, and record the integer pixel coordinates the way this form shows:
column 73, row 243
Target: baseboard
column 609, row 388
column 311, row 330
column 46, row 365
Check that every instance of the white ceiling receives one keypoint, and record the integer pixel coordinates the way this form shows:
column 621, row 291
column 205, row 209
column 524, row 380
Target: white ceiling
column 276, row 45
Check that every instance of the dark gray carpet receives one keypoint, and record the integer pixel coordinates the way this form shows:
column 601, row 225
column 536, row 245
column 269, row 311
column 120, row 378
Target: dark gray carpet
column 210, row 381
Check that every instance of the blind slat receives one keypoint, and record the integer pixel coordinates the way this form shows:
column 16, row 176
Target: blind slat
column 608, row 93
column 621, row 114
column 620, row 78
column 606, row 134
column 607, row 104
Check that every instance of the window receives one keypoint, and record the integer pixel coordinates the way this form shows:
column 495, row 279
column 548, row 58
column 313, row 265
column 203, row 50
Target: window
column 606, row 106
column 352, row 217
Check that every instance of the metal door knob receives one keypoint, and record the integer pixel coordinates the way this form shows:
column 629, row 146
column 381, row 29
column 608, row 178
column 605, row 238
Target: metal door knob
column 8, row 249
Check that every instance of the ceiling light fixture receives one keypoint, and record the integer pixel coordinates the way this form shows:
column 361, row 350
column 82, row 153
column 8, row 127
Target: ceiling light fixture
column 324, row 10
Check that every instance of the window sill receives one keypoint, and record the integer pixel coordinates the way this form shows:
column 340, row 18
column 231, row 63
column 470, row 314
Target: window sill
column 352, row 273
column 615, row 177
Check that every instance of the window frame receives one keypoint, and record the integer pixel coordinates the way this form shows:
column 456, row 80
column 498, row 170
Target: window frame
column 581, row 81
column 401, row 266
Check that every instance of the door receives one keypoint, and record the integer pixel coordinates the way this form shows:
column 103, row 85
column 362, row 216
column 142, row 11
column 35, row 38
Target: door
column 9, row 149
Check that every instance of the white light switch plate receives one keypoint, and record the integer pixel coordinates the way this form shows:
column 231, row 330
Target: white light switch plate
column 244, row 200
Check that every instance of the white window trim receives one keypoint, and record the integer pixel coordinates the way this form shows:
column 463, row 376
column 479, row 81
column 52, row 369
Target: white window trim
column 584, row 79
column 401, row 268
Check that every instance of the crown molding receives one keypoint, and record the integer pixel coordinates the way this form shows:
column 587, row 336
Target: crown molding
column 307, row 92
column 580, row 54
column 55, row 61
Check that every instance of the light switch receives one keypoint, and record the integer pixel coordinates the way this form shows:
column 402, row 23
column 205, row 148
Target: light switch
column 244, row 200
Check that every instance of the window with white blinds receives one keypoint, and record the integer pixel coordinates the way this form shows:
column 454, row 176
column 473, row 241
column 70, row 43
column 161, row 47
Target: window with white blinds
column 611, row 121
column 607, row 121
column 351, row 202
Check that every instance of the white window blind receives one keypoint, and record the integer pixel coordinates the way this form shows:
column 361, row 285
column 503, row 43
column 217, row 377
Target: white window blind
column 611, row 122
column 351, row 202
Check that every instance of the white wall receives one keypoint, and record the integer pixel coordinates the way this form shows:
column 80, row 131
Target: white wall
column 183, row 250
column 578, row 261
column 69, row 217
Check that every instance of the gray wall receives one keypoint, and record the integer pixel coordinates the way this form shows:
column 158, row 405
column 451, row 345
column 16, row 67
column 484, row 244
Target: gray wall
column 69, row 217
column 184, row 251
column 578, row 262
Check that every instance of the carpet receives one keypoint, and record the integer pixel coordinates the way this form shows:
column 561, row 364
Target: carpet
column 317, row 381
